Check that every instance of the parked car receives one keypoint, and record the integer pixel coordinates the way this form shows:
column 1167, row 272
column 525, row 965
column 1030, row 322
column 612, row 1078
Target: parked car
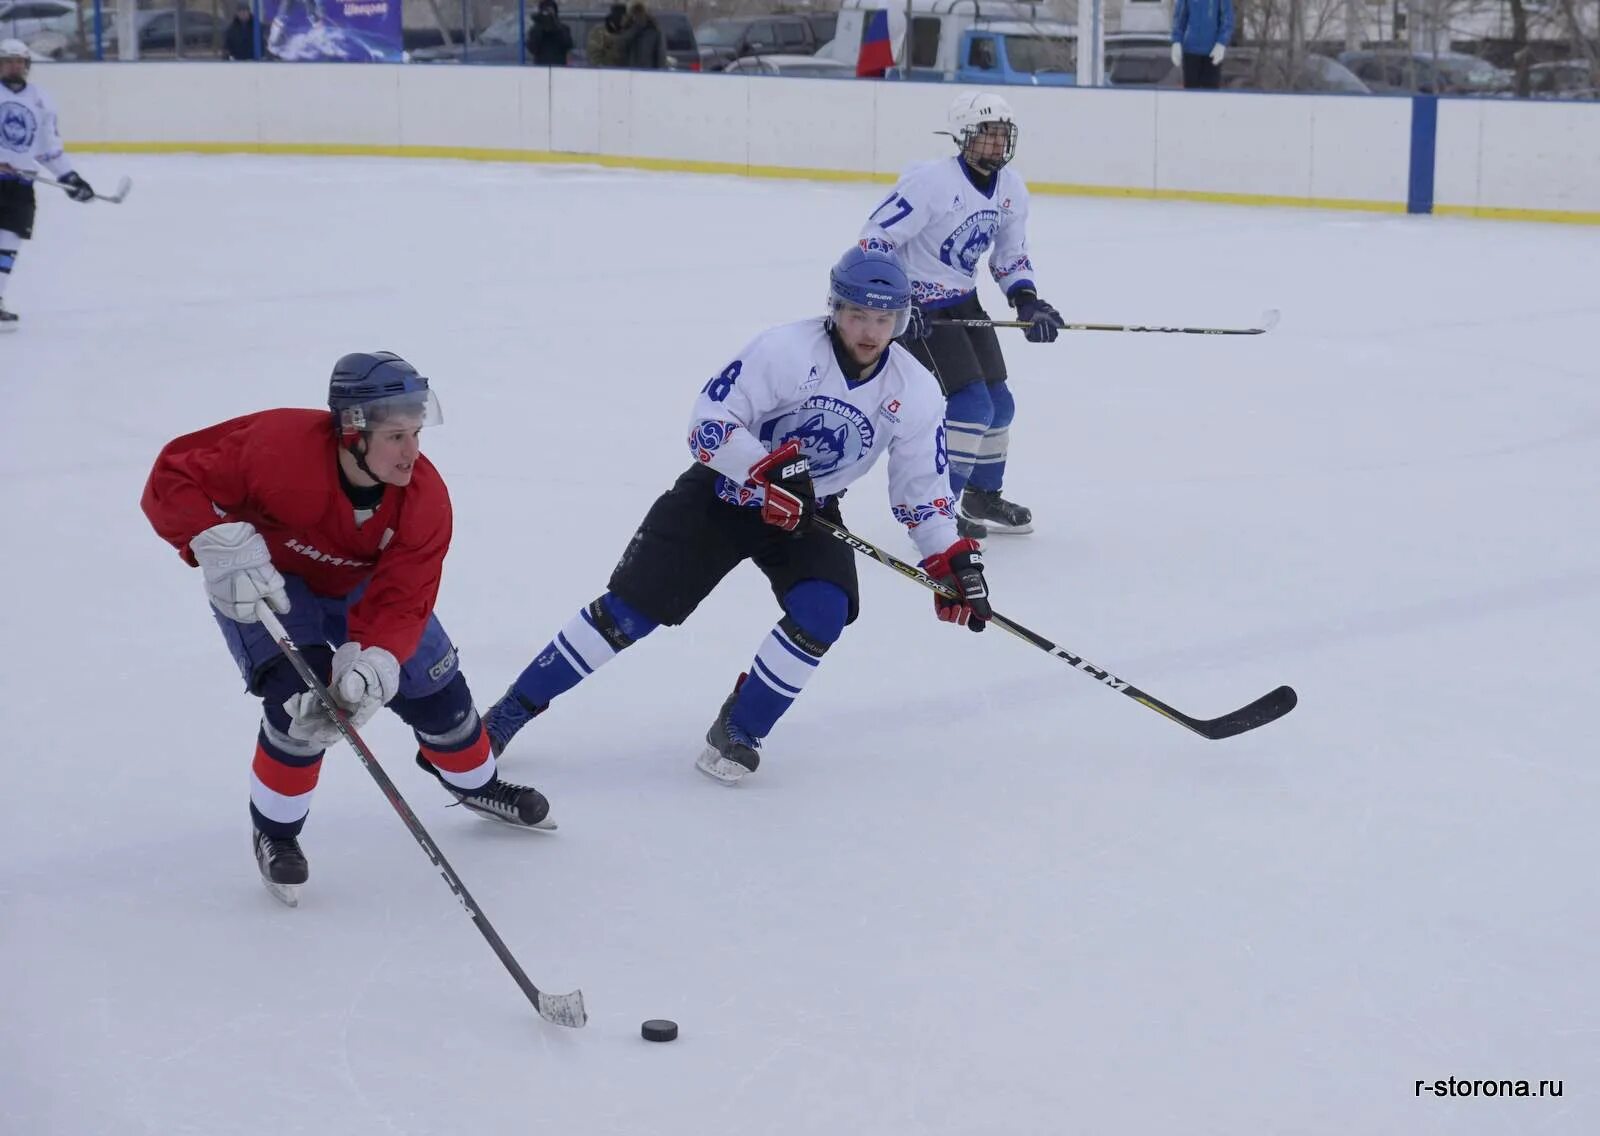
column 158, row 32
column 1565, row 79
column 501, row 43
column 1140, row 59
column 27, row 19
column 1248, row 69
column 722, row 41
column 792, row 66
column 1447, row 73
column 824, row 25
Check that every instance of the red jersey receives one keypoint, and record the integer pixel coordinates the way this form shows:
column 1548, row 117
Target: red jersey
column 278, row 470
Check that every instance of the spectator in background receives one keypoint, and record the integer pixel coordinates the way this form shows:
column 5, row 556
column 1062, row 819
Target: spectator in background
column 549, row 40
column 605, row 41
column 643, row 44
column 1201, row 30
column 240, row 42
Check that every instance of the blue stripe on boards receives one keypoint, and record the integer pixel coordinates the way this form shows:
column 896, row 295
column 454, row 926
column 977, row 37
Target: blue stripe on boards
column 1424, row 144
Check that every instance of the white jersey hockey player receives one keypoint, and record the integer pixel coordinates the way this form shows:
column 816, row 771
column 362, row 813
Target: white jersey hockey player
column 941, row 220
column 28, row 140
column 776, row 436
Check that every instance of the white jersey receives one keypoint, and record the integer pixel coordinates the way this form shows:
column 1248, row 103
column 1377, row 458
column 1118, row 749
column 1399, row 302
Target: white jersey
column 787, row 383
column 28, row 137
column 940, row 225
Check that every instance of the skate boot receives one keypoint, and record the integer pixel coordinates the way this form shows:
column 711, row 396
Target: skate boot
column 283, row 866
column 995, row 512
column 8, row 320
column 508, row 716
column 730, row 753
column 969, row 529
column 516, row 805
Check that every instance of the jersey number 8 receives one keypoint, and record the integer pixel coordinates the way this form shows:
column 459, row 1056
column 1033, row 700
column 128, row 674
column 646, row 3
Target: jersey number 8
column 717, row 389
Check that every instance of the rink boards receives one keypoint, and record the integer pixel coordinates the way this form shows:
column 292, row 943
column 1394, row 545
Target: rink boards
column 1477, row 157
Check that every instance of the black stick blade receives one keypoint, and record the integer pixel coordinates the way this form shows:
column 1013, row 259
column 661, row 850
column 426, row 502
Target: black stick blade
column 1267, row 708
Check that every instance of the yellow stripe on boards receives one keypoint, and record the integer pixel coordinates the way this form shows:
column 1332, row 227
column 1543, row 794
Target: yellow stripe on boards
column 739, row 169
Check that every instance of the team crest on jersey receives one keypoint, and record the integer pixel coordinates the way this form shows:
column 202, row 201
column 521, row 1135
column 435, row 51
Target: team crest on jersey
column 18, row 127
column 832, row 433
column 962, row 248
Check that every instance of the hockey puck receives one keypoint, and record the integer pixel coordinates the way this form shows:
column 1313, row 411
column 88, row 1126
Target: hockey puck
column 659, row 1029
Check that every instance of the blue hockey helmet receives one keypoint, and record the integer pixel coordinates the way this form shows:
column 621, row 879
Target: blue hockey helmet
column 368, row 389
column 871, row 278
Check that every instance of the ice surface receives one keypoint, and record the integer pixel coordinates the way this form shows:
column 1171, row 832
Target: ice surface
column 969, row 891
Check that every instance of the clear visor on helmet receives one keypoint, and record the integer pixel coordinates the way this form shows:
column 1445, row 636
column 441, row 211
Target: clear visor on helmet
column 409, row 411
column 858, row 317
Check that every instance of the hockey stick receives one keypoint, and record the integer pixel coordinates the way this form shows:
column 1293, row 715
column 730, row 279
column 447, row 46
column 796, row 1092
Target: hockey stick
column 562, row 1009
column 1269, row 320
column 117, row 198
column 1267, row 708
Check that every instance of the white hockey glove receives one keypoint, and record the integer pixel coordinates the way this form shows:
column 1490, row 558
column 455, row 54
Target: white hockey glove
column 364, row 680
column 1177, row 55
column 1217, row 53
column 238, row 571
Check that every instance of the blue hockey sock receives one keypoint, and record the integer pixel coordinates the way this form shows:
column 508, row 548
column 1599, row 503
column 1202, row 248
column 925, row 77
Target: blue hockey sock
column 989, row 471
column 967, row 415
column 815, row 614
column 589, row 641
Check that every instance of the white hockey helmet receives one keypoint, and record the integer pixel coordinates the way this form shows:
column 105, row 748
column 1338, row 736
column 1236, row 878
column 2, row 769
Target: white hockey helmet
column 15, row 50
column 970, row 112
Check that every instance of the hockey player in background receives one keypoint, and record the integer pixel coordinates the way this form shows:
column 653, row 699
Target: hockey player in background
column 340, row 525
column 28, row 140
column 940, row 220
column 804, row 410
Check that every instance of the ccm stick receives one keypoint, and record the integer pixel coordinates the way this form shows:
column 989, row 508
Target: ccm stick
column 561, row 1009
column 1268, row 708
column 1269, row 320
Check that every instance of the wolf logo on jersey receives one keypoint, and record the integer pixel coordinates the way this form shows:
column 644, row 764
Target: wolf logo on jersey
column 831, row 432
column 970, row 241
column 18, row 126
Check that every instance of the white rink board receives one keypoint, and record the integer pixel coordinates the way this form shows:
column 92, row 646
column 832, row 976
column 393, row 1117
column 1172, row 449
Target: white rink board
column 1336, row 150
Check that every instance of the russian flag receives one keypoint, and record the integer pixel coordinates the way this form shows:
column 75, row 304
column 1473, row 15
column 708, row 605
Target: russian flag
column 877, row 54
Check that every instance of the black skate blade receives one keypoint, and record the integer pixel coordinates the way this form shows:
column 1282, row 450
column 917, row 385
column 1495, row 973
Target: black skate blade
column 286, row 894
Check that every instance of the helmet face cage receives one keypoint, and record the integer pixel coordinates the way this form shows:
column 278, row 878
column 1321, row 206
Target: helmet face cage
column 977, row 142
column 408, row 410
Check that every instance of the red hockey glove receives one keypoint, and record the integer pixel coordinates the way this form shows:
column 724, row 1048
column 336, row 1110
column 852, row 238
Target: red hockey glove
column 785, row 476
column 961, row 567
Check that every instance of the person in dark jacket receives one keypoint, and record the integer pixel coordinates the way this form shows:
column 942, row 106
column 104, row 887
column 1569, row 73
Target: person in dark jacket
column 643, row 43
column 549, row 40
column 240, row 42
column 605, row 41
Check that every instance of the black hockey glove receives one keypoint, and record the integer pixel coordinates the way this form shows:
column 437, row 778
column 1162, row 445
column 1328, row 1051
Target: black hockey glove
column 917, row 326
column 1046, row 321
column 77, row 188
column 961, row 567
column 785, row 477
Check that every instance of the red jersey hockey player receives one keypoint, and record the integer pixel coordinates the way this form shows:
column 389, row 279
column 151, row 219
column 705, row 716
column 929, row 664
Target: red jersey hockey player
column 340, row 526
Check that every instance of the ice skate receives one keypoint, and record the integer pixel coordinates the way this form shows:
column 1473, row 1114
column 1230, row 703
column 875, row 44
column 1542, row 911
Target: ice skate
column 516, row 805
column 994, row 512
column 730, row 753
column 283, row 866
